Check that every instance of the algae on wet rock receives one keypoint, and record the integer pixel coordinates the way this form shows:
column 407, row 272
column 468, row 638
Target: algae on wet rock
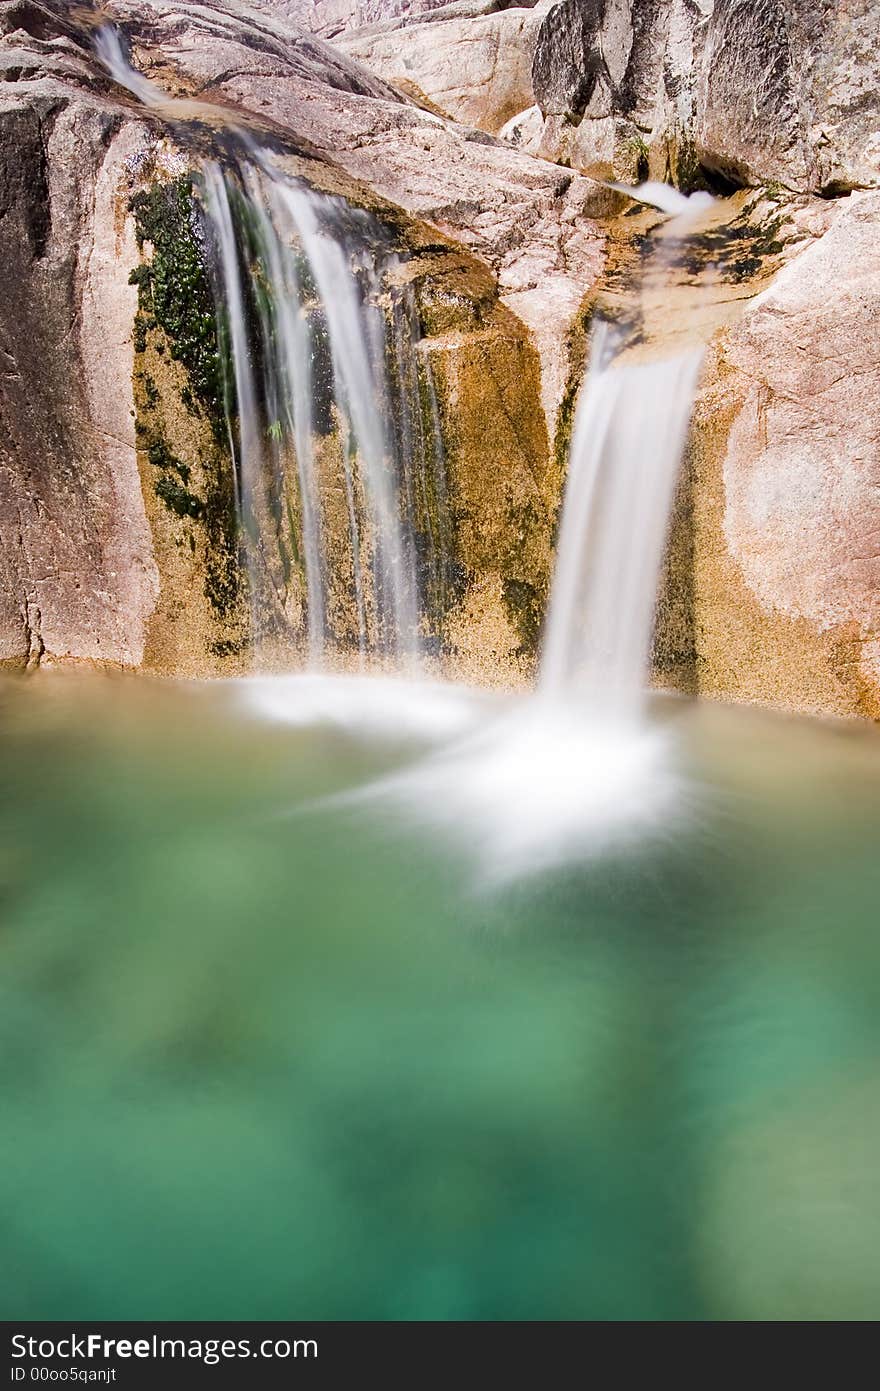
column 174, row 287
column 182, row 433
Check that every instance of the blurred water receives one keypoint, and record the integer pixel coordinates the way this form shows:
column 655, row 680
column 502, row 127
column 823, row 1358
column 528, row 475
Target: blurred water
column 269, row 1051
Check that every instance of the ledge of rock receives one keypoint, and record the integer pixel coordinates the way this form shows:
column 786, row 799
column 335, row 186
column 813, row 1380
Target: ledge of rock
column 476, row 68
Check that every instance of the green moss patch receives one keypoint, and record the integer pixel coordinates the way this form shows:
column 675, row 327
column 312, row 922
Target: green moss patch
column 177, row 320
column 160, row 457
column 174, row 289
column 178, row 498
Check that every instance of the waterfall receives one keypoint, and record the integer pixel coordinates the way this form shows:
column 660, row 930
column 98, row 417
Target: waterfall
column 332, row 419
column 341, row 486
column 108, row 46
column 312, row 293
column 629, row 434
column 334, row 435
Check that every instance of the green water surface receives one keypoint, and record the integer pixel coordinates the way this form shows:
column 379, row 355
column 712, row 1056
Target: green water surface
column 265, row 1055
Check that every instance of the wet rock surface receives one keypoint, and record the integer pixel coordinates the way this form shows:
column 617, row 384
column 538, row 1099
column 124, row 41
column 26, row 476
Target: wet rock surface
column 78, row 574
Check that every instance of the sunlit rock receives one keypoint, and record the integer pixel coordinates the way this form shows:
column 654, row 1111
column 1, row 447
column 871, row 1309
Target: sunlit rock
column 785, row 493
column 722, row 88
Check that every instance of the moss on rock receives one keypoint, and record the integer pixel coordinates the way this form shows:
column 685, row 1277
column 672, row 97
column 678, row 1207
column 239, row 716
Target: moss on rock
column 182, row 438
column 502, row 494
column 174, row 288
column 178, row 498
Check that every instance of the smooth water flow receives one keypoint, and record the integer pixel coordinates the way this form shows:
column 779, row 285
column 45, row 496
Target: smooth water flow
column 286, row 1025
column 336, row 455
column 356, row 335
column 108, row 46
column 318, row 280
column 333, row 422
column 333, row 427
column 580, row 767
column 629, row 434
column 255, row 446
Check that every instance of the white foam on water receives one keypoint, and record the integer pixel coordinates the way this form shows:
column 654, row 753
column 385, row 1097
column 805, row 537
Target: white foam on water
column 384, row 707
column 667, row 199
column 513, row 784
column 535, row 787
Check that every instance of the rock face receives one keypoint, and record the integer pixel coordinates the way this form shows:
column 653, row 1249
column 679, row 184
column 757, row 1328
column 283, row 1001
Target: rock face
column 328, row 18
column 531, row 222
column 77, row 573
column 789, row 92
column 476, row 68
column 502, row 206
column 753, row 90
column 782, row 495
column 117, row 532
column 742, row 90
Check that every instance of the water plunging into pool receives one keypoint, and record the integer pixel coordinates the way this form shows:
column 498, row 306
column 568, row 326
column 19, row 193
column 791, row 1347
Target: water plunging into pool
column 319, row 333
column 581, row 766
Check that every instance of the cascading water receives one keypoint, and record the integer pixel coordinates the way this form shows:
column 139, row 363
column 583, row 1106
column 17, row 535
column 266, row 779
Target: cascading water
column 333, row 425
column 108, row 46
column 629, row 434
column 626, row 447
column 304, row 277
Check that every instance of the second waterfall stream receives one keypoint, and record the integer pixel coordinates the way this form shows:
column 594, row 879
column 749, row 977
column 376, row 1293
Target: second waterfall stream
column 340, row 467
